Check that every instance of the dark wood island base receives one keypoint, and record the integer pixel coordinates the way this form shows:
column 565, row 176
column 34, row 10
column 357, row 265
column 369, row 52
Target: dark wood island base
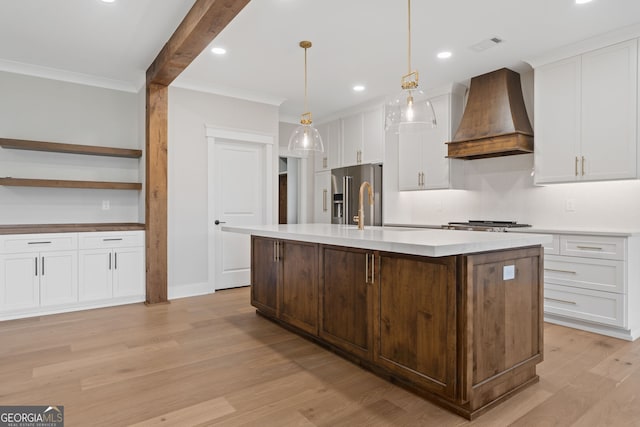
column 464, row 331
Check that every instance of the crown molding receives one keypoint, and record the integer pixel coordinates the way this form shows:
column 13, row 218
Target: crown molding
column 602, row 40
column 66, row 76
column 245, row 95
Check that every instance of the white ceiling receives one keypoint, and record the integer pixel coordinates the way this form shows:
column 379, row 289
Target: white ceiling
column 354, row 41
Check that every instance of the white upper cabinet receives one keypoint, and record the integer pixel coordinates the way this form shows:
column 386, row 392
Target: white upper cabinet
column 586, row 116
column 363, row 137
column 373, row 135
column 422, row 161
column 331, row 139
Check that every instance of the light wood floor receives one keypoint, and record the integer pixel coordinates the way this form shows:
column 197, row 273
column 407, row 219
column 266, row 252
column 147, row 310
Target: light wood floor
column 212, row 361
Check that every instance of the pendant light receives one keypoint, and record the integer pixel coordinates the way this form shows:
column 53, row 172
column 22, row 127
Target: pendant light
column 410, row 111
column 305, row 137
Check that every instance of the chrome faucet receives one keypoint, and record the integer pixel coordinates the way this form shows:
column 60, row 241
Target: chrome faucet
column 359, row 219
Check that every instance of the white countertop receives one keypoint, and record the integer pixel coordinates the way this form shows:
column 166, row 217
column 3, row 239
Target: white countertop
column 414, row 241
column 587, row 231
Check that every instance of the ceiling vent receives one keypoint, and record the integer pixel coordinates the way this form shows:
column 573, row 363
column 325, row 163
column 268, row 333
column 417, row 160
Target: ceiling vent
column 486, row 44
column 495, row 121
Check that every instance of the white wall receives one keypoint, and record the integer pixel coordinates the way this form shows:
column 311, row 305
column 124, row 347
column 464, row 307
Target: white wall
column 189, row 113
column 502, row 189
column 40, row 109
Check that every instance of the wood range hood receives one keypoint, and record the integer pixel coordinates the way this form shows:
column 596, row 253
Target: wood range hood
column 495, row 121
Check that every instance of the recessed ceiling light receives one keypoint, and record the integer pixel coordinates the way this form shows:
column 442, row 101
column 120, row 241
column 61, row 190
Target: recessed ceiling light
column 444, row 55
column 583, row 1
column 108, row 1
column 219, row 50
column 358, row 88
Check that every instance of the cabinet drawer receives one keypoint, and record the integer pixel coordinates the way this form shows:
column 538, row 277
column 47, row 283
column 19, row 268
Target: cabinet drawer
column 597, row 274
column 594, row 306
column 553, row 248
column 111, row 239
column 19, row 243
column 593, row 246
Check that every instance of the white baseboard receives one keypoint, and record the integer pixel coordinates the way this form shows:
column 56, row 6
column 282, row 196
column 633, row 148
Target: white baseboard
column 189, row 290
column 610, row 331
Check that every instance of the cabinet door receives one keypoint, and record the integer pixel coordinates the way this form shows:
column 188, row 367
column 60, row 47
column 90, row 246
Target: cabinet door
column 299, row 285
column 373, row 136
column 95, row 280
column 415, row 317
column 321, row 160
column 264, row 275
column 557, row 124
column 352, row 140
column 609, row 112
column 58, row 277
column 322, row 198
column 333, row 147
column 345, row 295
column 128, row 272
column 435, row 164
column 19, row 281
column 410, row 161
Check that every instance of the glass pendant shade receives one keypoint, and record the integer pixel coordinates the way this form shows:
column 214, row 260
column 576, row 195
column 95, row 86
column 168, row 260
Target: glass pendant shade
column 410, row 112
column 305, row 138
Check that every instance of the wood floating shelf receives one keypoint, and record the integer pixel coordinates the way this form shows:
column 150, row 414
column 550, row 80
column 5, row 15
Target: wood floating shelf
column 21, row 144
column 58, row 183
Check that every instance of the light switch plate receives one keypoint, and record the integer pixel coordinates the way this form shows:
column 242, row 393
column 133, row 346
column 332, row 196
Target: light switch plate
column 508, row 272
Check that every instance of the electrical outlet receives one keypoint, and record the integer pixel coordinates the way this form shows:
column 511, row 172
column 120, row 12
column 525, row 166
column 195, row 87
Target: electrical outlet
column 508, row 272
column 570, row 205
column 106, row 205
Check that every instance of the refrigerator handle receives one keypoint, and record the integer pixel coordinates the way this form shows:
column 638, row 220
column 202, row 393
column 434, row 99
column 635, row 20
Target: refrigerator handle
column 346, row 187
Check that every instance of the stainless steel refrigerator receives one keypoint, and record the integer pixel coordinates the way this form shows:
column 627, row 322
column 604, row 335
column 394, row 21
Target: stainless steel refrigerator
column 345, row 188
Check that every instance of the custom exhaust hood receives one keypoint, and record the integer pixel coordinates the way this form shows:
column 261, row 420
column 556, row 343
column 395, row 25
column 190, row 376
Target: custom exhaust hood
column 495, row 121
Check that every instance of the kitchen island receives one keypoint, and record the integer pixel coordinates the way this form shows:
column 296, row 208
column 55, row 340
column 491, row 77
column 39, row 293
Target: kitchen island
column 455, row 316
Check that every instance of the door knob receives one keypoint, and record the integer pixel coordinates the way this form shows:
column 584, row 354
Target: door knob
column 217, row 222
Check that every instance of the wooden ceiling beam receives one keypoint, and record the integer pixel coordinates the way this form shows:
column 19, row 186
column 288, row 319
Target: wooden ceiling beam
column 205, row 20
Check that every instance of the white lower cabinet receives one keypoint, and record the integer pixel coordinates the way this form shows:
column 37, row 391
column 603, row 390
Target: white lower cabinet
column 37, row 271
column 111, row 265
column 592, row 283
column 51, row 273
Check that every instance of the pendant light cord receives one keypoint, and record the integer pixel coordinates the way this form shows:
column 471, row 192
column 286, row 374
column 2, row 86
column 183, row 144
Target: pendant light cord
column 408, row 38
column 306, row 107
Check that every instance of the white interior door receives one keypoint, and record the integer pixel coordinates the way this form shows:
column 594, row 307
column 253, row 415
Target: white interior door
column 240, row 199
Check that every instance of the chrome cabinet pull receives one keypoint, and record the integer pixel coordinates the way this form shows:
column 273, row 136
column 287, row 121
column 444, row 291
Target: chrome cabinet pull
column 274, row 252
column 36, row 260
column 109, row 261
column 560, row 271
column 590, row 248
column 576, row 167
column 38, row 243
column 324, row 162
column 561, row 300
column 419, row 183
column 583, row 162
column 115, row 261
column 112, row 240
column 42, row 272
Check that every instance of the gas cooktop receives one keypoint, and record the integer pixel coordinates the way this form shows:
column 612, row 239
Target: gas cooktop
column 484, row 225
